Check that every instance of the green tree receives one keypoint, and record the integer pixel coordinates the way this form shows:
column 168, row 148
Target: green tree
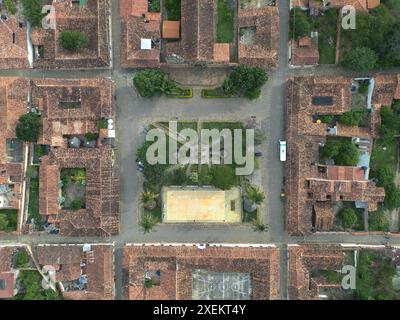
column 74, row 40
column 384, row 175
column 148, row 222
column 360, row 59
column 352, row 118
column 299, row 24
column 392, row 198
column 246, row 82
column 22, row 259
column 348, row 217
column 10, row 5
column 377, row 221
column 329, row 150
column 28, row 127
column 390, row 50
column 328, row 119
column 224, row 177
column 3, row 223
column 150, row 82
column 149, row 200
column 348, row 154
column 255, row 195
column 32, row 10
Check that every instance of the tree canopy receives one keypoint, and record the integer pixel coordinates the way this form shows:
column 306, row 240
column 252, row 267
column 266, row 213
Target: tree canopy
column 74, row 40
column 28, row 127
column 33, row 12
column 150, row 82
column 245, row 81
column 360, row 59
column 348, row 217
column 343, row 151
column 299, row 24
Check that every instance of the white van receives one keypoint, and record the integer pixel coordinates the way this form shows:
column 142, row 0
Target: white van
column 282, row 149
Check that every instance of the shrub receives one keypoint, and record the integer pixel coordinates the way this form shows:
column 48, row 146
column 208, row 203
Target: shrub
column 101, row 124
column 74, row 40
column 91, row 136
column 3, row 223
column 328, row 119
column 360, row 59
column 149, row 283
column 150, row 82
column 10, row 6
column 28, row 127
column 22, row 259
column 384, row 175
column 377, row 221
column 147, row 222
column 348, row 217
column 76, row 205
column 352, row 118
column 224, row 177
column 392, row 198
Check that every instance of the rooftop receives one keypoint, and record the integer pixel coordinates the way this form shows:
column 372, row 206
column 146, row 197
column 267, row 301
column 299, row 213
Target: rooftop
column 90, row 17
column 253, row 272
column 14, row 46
column 306, row 258
column 86, row 272
column 305, row 52
column 310, row 185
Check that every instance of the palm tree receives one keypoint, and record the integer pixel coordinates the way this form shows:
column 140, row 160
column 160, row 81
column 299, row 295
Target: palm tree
column 148, row 222
column 149, row 200
column 255, row 195
column 260, row 227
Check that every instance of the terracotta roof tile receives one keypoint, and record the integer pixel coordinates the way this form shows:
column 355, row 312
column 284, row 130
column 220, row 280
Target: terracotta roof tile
column 176, row 264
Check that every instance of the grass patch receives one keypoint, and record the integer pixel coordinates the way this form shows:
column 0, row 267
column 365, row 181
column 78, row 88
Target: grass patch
column 180, row 93
column 225, row 23
column 217, row 93
column 326, row 26
column 384, row 154
column 249, row 217
column 9, row 220
column 33, row 206
column 173, row 8
column 331, row 276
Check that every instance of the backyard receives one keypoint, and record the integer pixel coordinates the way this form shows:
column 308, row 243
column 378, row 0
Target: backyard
column 226, row 22
column 8, row 220
column 30, row 287
column 302, row 24
column 33, row 206
column 173, row 8
column 73, row 188
column 375, row 270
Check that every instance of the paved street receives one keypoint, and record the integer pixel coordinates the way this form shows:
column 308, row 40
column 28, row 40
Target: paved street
column 134, row 113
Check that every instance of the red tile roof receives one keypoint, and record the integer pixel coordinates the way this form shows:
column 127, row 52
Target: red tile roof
column 176, row 264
